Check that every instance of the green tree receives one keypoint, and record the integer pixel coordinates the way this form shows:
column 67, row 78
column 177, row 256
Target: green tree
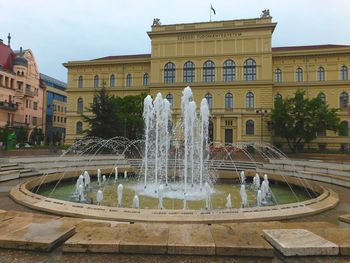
column 299, row 119
column 22, row 134
column 112, row 116
column 37, row 136
column 103, row 118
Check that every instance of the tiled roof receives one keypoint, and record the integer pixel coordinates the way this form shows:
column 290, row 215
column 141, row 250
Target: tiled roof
column 124, row 57
column 312, row 47
column 7, row 56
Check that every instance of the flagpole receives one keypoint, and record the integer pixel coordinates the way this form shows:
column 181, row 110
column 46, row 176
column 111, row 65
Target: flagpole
column 210, row 13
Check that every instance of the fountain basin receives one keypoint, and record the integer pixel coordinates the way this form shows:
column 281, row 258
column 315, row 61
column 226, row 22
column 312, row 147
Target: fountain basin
column 327, row 199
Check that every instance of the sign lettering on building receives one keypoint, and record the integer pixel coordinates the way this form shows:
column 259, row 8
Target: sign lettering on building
column 197, row 36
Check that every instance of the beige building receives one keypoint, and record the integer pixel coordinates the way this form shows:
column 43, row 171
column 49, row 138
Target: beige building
column 231, row 63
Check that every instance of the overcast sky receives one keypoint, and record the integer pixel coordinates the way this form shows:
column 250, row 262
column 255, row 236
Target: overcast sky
column 64, row 30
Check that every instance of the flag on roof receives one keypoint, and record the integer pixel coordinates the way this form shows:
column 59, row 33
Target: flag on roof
column 212, row 9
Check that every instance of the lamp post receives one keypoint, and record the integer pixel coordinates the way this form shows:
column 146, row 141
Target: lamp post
column 262, row 113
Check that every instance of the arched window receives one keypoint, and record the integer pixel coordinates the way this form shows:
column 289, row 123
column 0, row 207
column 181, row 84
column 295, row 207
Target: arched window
column 80, row 105
column 344, row 73
column 209, row 99
column 278, row 97
column 79, row 128
column 278, row 75
column 343, row 100
column 299, row 74
column 209, row 71
column 344, row 129
column 249, row 100
column 169, row 72
column 189, row 72
column 249, row 127
column 96, row 81
column 145, row 79
column 322, row 96
column 170, row 98
column 112, row 81
column 80, row 82
column 320, row 74
column 210, row 131
column 249, row 69
column 128, row 80
column 228, row 100
column 229, row 70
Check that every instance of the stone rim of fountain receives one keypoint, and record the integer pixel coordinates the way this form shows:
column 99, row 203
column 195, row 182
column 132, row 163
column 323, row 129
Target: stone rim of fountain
column 22, row 194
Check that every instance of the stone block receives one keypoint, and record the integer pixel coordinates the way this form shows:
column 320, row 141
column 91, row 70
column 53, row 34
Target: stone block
column 40, row 236
column 300, row 242
column 190, row 239
column 145, row 239
column 96, row 240
column 237, row 240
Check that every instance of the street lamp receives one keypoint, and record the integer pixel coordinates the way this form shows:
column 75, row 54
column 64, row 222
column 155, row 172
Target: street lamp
column 262, row 113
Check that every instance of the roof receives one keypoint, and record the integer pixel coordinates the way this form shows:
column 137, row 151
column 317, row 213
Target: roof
column 52, row 82
column 311, row 47
column 7, row 56
column 124, row 57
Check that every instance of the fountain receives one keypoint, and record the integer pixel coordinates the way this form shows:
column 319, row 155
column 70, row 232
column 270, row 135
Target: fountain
column 179, row 165
column 135, row 202
column 120, row 194
column 99, row 176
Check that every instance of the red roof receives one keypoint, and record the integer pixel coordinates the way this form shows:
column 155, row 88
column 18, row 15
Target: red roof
column 124, row 57
column 296, row 48
column 7, row 56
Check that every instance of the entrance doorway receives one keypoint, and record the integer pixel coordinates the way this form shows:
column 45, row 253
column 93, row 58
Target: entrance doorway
column 228, row 136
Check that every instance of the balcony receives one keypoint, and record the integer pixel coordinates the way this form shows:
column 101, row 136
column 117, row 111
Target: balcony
column 8, row 106
column 29, row 92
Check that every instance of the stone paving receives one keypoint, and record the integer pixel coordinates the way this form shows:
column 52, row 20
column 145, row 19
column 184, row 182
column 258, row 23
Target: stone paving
column 69, row 239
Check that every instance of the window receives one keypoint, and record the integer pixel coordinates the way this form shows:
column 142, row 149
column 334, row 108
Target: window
column 209, row 99
column 189, row 72
column 96, row 82
column 170, row 98
column 299, row 75
column 129, row 80
column 35, row 105
column 249, row 127
column 209, row 71
column 278, row 75
column 169, row 72
column 249, row 100
column 59, row 108
column 80, row 105
column 112, row 81
column 34, row 121
column 26, row 119
column 344, row 129
column 80, row 82
column 249, row 69
column 79, row 127
column 344, row 73
column 228, row 101
column 322, row 96
column 343, row 100
column 145, row 79
column 320, row 74
column 27, row 104
column 229, row 70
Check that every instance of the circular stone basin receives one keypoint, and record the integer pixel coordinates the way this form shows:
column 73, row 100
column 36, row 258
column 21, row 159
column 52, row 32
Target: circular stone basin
column 173, row 195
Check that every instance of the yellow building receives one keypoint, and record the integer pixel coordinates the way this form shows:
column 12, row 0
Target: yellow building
column 231, row 63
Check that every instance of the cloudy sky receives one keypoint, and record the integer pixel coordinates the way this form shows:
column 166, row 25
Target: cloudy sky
column 64, row 30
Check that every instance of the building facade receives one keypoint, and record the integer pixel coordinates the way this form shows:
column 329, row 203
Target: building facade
column 55, row 110
column 232, row 64
column 21, row 95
